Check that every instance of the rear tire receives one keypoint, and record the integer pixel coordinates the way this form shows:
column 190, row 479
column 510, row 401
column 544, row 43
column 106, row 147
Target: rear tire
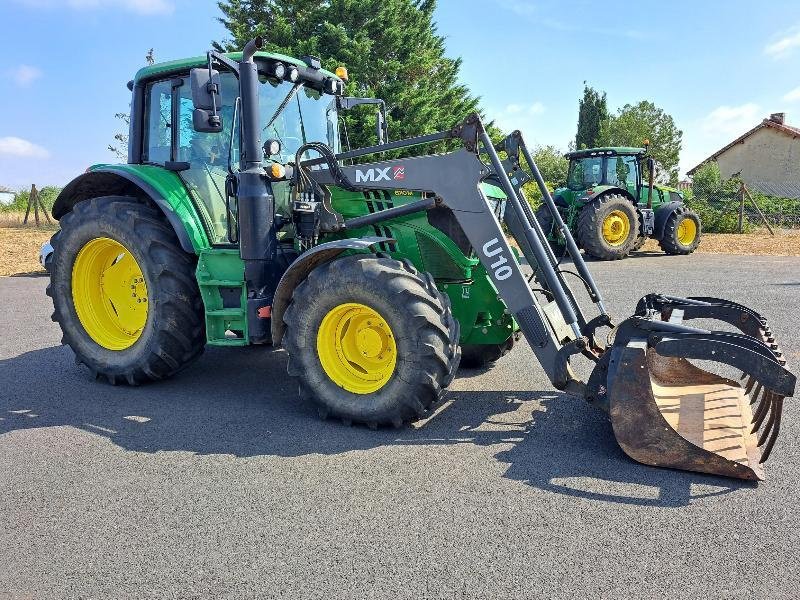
column 681, row 232
column 172, row 331
column 607, row 227
column 414, row 323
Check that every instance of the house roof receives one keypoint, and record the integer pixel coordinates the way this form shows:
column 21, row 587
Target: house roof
column 781, row 127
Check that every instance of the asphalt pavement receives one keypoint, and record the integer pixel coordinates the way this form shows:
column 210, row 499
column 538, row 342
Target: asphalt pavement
column 222, row 483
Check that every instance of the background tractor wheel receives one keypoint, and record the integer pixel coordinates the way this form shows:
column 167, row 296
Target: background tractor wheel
column 371, row 340
column 480, row 356
column 681, row 232
column 607, row 227
column 124, row 291
column 638, row 242
column 546, row 221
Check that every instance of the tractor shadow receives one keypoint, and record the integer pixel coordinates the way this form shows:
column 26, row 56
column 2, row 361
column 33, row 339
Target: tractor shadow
column 228, row 403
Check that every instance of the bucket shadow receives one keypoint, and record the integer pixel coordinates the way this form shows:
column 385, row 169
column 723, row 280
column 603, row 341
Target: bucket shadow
column 239, row 402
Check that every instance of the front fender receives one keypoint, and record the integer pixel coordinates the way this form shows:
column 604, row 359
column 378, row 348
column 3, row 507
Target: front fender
column 145, row 183
column 663, row 213
column 302, row 266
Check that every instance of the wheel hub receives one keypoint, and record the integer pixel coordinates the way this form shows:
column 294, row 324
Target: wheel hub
column 109, row 293
column 687, row 232
column 356, row 348
column 616, row 228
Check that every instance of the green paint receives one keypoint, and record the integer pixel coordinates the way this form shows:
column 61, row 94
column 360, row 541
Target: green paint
column 636, row 187
column 183, row 64
column 483, row 317
column 217, row 269
column 171, row 188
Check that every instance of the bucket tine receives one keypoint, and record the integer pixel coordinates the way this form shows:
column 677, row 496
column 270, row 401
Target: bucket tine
column 775, row 430
column 770, row 422
column 755, row 394
column 761, row 412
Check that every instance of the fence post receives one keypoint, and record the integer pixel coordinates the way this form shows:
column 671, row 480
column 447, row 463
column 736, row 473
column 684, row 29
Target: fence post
column 28, row 208
column 33, row 200
column 741, row 206
column 761, row 214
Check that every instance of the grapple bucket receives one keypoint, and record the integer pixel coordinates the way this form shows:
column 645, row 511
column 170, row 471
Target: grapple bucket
column 668, row 412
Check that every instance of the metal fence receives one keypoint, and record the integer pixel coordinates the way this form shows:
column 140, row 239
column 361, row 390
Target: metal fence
column 735, row 205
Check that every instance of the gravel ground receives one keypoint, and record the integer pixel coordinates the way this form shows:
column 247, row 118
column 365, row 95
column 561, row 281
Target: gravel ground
column 221, row 483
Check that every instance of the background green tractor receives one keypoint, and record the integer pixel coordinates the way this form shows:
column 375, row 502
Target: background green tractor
column 190, row 244
column 611, row 211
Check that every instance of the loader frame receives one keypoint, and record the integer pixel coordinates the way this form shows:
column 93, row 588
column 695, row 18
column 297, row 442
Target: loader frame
column 649, row 350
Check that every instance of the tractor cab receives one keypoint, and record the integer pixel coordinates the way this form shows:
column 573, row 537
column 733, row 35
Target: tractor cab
column 617, row 167
column 297, row 104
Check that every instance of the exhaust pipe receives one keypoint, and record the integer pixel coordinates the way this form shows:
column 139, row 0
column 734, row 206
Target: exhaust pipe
column 254, row 45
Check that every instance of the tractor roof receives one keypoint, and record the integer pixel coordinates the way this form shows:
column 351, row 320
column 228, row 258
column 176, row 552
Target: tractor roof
column 607, row 151
column 182, row 64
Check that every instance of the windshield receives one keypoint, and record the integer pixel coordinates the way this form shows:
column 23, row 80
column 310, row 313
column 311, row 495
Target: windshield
column 309, row 116
column 585, row 172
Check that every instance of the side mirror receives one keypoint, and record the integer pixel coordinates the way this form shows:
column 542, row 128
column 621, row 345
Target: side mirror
column 206, row 100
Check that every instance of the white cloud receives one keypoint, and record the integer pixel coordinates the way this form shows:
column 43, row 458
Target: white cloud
column 14, row 146
column 517, row 116
column 732, row 121
column 793, row 95
column 24, row 75
column 784, row 46
column 143, row 7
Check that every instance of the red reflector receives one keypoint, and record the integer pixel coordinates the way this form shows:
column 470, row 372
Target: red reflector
column 265, row 312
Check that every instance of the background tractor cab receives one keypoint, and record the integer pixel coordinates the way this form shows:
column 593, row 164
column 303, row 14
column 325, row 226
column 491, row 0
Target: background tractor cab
column 620, row 208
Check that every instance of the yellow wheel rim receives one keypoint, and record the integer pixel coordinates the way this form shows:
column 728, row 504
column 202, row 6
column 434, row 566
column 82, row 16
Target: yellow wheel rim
column 109, row 293
column 356, row 348
column 687, row 231
column 616, row 228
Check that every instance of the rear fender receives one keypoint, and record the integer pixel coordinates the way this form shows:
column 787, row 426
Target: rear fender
column 146, row 183
column 303, row 265
column 663, row 213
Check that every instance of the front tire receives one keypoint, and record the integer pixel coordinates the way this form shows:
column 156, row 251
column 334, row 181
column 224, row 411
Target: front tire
column 124, row 292
column 545, row 218
column 681, row 232
column 607, row 227
column 482, row 356
column 371, row 340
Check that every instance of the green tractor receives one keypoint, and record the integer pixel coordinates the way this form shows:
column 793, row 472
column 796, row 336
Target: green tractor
column 373, row 276
column 611, row 211
column 169, row 253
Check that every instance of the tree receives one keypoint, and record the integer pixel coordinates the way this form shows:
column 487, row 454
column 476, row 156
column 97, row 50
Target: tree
column 391, row 49
column 592, row 111
column 635, row 123
column 553, row 167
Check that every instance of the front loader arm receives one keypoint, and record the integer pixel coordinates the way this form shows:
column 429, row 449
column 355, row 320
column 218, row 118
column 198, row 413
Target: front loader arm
column 455, row 178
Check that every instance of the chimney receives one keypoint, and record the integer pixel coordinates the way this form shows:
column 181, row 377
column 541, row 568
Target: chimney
column 778, row 118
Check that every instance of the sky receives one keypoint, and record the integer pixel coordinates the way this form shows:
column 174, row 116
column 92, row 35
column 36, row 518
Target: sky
column 718, row 67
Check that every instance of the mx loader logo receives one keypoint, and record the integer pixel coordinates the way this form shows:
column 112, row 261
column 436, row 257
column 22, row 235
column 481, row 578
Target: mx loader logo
column 385, row 174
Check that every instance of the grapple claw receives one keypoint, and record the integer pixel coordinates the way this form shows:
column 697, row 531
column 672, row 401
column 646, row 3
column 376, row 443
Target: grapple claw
column 767, row 450
column 754, row 395
column 761, row 411
column 668, row 412
column 770, row 422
